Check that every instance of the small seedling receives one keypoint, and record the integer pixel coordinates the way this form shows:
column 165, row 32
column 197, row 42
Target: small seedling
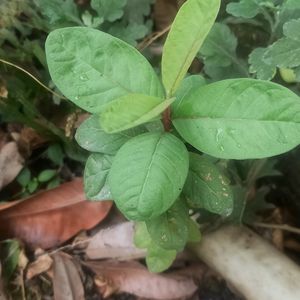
column 145, row 167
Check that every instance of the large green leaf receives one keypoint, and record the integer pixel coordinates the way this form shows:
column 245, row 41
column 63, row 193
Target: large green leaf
column 95, row 177
column 148, row 174
column 92, row 68
column 206, row 187
column 240, row 119
column 91, row 136
column 170, row 230
column 189, row 29
column 131, row 110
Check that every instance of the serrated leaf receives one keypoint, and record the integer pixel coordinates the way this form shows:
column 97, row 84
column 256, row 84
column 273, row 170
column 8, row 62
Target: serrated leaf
column 240, row 119
column 136, row 10
column 219, row 47
column 93, row 68
column 259, row 67
column 170, row 230
column 157, row 259
column 111, row 10
column 285, row 53
column 206, row 187
column 59, row 13
column 131, row 110
column 189, row 29
column 91, row 136
column 219, row 52
column 129, row 33
column 95, row 176
column 247, row 8
column 147, row 175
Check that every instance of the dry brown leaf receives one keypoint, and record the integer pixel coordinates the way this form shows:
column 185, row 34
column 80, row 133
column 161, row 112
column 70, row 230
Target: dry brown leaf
column 114, row 242
column 11, row 163
column 134, row 278
column 51, row 217
column 42, row 264
column 67, row 284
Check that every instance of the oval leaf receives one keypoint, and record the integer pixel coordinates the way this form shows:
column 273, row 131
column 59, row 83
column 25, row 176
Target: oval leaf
column 206, row 187
column 188, row 32
column 170, row 230
column 147, row 175
column 131, row 110
column 240, row 119
column 91, row 136
column 95, row 177
column 92, row 68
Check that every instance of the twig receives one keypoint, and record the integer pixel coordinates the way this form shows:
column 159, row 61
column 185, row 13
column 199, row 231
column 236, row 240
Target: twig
column 277, row 226
column 72, row 246
column 153, row 37
column 33, row 77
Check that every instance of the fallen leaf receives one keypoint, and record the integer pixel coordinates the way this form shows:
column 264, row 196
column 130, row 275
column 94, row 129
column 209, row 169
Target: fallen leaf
column 134, row 278
column 51, row 217
column 67, row 284
column 42, row 264
column 11, row 163
column 114, row 242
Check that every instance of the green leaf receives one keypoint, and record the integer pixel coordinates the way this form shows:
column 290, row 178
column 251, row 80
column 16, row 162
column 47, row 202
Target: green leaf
column 55, row 154
column 55, row 182
column 258, row 66
column 240, row 119
column 93, row 138
column 206, row 187
column 59, row 13
column 247, row 8
column 24, row 177
column 130, row 111
column 9, row 256
column 189, row 29
column 285, row 53
column 109, row 10
column 170, row 230
column 147, row 175
column 136, row 10
column 219, row 51
column 141, row 238
column 32, row 185
column 129, row 33
column 46, row 175
column 194, row 234
column 157, row 259
column 95, row 176
column 187, row 86
column 93, row 68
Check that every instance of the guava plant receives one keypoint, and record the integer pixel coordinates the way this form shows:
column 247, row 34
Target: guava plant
column 140, row 130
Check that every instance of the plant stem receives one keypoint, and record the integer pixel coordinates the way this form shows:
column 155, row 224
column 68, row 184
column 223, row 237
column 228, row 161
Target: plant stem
column 167, row 119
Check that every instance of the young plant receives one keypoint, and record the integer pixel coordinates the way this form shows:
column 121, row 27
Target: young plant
column 146, row 168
